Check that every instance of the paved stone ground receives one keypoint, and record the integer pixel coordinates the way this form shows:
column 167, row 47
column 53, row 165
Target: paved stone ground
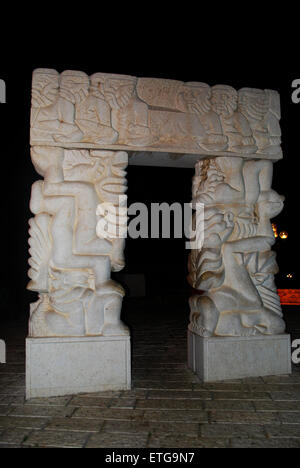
column 168, row 407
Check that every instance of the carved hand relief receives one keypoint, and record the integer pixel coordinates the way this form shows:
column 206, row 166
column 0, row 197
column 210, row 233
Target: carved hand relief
column 234, row 270
column 119, row 111
column 70, row 266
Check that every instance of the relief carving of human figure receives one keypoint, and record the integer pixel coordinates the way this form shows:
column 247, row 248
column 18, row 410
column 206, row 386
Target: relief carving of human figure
column 54, row 98
column 129, row 113
column 70, row 265
column 262, row 110
column 235, row 126
column 194, row 99
column 235, row 268
column 93, row 115
column 181, row 115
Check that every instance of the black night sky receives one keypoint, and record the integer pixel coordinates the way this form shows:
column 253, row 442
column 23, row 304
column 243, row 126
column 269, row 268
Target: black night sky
column 163, row 260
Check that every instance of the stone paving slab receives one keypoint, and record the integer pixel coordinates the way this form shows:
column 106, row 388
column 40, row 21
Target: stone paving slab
column 242, row 417
column 74, row 424
column 23, row 422
column 183, row 441
column 14, row 435
column 288, row 405
column 59, row 439
column 170, row 404
column 229, row 405
column 167, row 407
column 109, row 440
column 263, row 443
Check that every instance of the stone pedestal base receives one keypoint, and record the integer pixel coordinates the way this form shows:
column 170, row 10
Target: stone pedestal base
column 2, row 352
column 224, row 358
column 62, row 366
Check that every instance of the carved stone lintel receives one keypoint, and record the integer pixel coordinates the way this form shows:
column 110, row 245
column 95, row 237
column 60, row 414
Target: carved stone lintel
column 234, row 270
column 111, row 111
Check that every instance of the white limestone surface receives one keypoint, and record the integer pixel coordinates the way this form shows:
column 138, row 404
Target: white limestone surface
column 232, row 270
column 226, row 358
column 82, row 129
column 62, row 366
column 70, row 259
column 111, row 111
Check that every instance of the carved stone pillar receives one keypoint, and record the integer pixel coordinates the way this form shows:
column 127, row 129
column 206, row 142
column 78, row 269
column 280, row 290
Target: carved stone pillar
column 236, row 327
column 77, row 341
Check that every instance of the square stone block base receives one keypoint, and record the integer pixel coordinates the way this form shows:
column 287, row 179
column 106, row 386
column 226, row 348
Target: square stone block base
column 2, row 352
column 224, row 358
column 64, row 366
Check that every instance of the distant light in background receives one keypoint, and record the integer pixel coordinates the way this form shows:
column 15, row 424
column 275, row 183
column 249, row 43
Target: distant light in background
column 283, row 235
column 274, row 227
column 289, row 275
column 289, row 296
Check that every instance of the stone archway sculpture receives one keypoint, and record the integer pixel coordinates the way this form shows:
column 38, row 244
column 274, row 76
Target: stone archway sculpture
column 84, row 131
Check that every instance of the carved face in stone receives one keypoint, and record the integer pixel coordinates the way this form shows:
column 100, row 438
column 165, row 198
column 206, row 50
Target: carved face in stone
column 270, row 204
column 111, row 177
column 118, row 92
column 45, row 84
column 224, row 100
column 44, row 157
column 253, row 103
column 74, row 86
column 194, row 98
column 97, row 85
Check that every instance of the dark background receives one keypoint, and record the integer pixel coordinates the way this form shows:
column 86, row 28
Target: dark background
column 163, row 261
